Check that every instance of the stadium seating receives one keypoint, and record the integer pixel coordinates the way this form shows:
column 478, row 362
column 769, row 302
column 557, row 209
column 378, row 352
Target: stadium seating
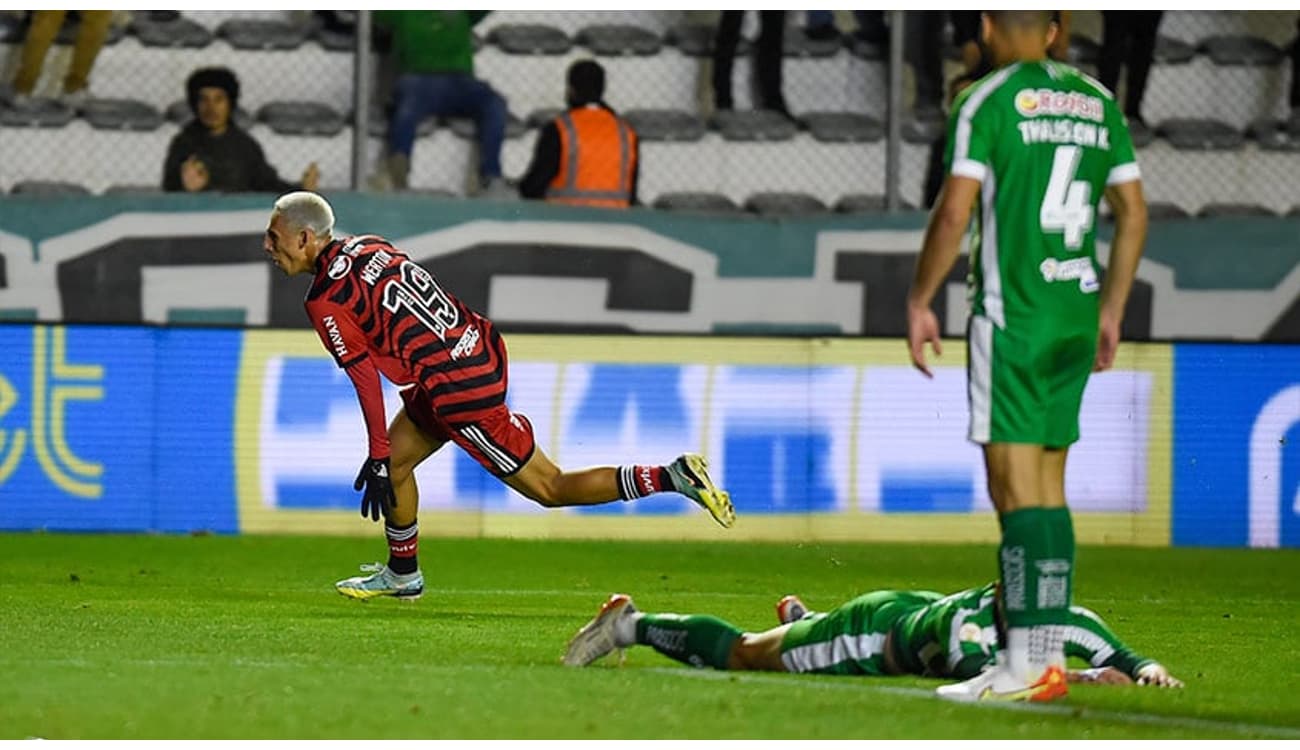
column 784, row 204
column 121, row 114
column 1216, row 97
column 696, row 203
column 665, row 125
column 619, row 39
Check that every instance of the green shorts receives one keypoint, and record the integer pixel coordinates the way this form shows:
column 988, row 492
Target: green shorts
column 1027, row 387
column 849, row 639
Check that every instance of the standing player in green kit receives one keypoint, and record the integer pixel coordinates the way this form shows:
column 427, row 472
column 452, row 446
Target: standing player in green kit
column 1034, row 144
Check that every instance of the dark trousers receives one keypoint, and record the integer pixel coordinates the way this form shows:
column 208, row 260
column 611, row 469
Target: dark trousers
column 1295, row 67
column 767, row 62
column 1129, row 39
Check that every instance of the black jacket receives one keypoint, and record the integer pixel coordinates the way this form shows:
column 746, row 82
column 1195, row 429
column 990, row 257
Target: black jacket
column 235, row 162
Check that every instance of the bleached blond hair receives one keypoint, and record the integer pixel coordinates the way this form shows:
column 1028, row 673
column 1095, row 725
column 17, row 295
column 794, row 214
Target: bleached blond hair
column 303, row 209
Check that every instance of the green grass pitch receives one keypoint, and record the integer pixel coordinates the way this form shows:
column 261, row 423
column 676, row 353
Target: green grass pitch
column 244, row 637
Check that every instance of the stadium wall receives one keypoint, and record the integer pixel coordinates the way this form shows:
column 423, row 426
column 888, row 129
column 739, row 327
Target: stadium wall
column 538, row 268
column 181, row 429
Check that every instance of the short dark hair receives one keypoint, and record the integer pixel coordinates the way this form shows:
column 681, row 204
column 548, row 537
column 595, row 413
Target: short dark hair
column 587, row 80
column 218, row 78
column 1023, row 18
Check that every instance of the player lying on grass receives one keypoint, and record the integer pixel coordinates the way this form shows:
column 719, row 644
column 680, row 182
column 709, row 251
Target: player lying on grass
column 378, row 312
column 878, row 633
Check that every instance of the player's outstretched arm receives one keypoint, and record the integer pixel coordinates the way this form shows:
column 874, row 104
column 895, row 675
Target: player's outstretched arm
column 1091, row 639
column 948, row 222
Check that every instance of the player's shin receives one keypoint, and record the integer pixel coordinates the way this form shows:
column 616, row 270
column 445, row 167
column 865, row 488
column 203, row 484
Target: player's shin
column 697, row 640
column 1035, row 571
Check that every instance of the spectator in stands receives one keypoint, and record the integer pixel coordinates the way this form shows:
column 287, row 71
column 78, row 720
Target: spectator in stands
column 1128, row 38
column 820, row 25
column 213, row 153
column 434, row 52
column 923, row 49
column 589, row 155
column 767, row 59
column 92, row 30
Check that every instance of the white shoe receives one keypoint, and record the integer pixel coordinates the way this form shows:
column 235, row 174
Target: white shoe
column 997, row 683
column 382, row 582
column 598, row 637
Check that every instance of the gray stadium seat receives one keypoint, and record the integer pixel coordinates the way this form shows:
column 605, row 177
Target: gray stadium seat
column 540, row 117
column 860, row 203
column 1200, row 135
column 181, row 32
column 1140, row 134
column 923, row 131
column 335, row 41
column 865, row 50
column 41, row 113
column 377, row 123
column 696, row 203
column 1230, row 49
column 1233, row 211
column 798, row 44
column 1273, row 135
column 615, row 40
column 529, row 39
column 1171, row 51
column 179, row 112
column 1160, row 211
column 121, row 114
column 843, row 127
column 696, row 40
column 1083, row 51
column 301, row 118
column 464, row 126
column 47, row 188
column 258, row 33
column 134, row 190
column 755, row 125
column 665, row 125
column 784, row 204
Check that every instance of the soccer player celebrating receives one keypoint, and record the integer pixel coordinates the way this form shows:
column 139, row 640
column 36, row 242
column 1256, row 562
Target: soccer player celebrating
column 880, row 633
column 378, row 312
column 1034, row 144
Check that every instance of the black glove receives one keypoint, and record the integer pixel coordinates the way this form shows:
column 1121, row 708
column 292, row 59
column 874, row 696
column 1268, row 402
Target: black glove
column 376, row 477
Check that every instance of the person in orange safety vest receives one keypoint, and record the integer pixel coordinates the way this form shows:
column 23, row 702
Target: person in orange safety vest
column 588, row 155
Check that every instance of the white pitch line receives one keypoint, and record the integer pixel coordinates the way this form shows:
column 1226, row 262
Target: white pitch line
column 1178, row 722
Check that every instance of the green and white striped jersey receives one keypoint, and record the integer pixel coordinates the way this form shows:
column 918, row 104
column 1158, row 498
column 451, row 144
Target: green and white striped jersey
column 956, row 637
column 1044, row 140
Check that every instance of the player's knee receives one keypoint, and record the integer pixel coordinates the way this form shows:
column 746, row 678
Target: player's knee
column 403, row 467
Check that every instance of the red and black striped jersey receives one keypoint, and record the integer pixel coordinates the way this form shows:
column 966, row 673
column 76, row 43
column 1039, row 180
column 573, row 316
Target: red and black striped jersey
column 370, row 301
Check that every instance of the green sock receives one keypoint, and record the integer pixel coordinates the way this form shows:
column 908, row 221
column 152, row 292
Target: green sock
column 1060, row 527
column 697, row 640
column 1035, row 581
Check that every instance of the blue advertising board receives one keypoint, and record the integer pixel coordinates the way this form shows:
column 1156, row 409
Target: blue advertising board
column 1237, row 445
